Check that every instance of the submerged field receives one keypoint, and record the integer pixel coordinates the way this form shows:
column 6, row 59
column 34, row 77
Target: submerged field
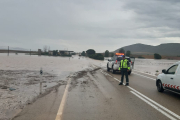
column 152, row 66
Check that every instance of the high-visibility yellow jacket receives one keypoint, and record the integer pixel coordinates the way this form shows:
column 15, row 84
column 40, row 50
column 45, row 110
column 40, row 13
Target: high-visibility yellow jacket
column 124, row 64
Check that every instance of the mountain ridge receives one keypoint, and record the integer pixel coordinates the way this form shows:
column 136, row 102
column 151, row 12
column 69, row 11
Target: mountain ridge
column 169, row 49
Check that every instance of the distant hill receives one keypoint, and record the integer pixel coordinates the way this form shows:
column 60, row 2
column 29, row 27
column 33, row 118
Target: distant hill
column 169, row 49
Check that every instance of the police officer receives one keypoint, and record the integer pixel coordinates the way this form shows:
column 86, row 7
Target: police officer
column 124, row 68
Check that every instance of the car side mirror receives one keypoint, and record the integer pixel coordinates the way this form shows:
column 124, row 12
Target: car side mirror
column 164, row 71
column 109, row 60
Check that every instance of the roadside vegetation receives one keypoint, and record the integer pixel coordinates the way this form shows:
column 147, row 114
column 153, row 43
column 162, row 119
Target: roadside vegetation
column 97, row 56
column 106, row 53
column 83, row 53
column 157, row 56
column 112, row 54
column 92, row 54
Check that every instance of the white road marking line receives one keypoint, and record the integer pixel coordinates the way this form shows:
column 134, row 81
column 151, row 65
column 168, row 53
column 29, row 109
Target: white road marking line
column 117, row 79
column 109, row 75
column 155, row 107
column 144, row 73
column 144, row 76
column 63, row 101
column 167, row 110
column 162, row 107
column 105, row 73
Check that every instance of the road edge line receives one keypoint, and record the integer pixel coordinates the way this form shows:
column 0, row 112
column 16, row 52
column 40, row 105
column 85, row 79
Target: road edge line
column 149, row 99
column 155, row 107
column 63, row 101
column 144, row 76
column 162, row 107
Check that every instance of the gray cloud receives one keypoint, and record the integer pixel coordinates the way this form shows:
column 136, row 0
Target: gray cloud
column 79, row 25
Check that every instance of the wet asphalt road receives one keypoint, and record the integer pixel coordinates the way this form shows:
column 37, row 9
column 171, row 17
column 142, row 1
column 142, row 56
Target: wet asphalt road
column 96, row 95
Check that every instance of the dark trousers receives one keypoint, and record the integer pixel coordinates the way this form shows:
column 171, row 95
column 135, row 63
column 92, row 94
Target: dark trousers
column 124, row 72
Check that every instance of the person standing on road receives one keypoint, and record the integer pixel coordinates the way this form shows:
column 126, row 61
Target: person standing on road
column 124, row 69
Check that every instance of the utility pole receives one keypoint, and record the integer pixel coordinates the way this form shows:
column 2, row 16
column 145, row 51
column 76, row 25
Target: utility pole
column 8, row 50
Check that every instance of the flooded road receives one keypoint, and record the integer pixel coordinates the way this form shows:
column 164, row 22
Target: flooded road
column 92, row 93
column 95, row 95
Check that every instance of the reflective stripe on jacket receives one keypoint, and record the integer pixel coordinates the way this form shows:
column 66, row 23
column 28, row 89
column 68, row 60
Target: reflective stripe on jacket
column 124, row 64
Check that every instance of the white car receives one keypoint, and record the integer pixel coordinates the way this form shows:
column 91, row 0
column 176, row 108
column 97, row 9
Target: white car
column 114, row 62
column 169, row 79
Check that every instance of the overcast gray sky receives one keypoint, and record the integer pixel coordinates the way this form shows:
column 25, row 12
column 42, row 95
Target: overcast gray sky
column 81, row 24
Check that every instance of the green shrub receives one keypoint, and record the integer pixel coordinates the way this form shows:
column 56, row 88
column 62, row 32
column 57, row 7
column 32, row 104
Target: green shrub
column 112, row 54
column 157, row 56
column 83, row 53
column 97, row 56
column 44, row 53
column 90, row 52
column 106, row 53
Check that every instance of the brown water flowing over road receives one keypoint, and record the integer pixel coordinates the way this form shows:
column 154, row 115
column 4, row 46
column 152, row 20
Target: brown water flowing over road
column 95, row 95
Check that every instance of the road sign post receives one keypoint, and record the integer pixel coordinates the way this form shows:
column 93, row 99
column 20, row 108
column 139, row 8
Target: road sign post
column 41, row 73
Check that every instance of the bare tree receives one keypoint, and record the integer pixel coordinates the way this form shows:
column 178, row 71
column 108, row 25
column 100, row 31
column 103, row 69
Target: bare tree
column 45, row 48
column 48, row 48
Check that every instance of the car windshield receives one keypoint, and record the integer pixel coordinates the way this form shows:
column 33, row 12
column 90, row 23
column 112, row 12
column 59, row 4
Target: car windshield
column 119, row 58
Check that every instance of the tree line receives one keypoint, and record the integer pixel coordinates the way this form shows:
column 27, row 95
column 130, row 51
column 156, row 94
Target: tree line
column 92, row 54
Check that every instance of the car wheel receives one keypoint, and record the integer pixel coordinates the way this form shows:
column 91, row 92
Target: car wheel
column 129, row 72
column 113, row 71
column 159, row 86
column 108, row 69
